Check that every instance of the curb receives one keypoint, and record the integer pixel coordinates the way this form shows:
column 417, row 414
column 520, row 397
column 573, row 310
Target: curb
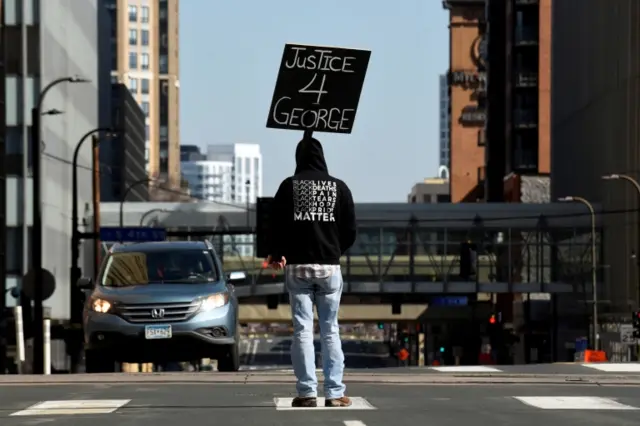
column 252, row 378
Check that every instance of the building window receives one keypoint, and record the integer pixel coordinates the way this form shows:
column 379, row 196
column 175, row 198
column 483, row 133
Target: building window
column 145, row 61
column 145, row 108
column 133, row 37
column 146, row 132
column 525, row 154
column 133, row 60
column 444, row 198
column 145, row 86
column 133, row 85
column 164, row 132
column 133, row 14
column 114, row 79
column 144, row 37
column 144, row 14
column 14, row 245
column 164, row 64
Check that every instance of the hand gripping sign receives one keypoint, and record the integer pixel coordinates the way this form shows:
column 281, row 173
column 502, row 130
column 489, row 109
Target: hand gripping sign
column 318, row 88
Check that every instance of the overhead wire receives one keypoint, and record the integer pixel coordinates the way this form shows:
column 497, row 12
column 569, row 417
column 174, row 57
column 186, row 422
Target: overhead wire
column 163, row 189
column 480, row 218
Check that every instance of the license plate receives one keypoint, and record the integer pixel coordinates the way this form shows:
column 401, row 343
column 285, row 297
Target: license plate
column 157, row 332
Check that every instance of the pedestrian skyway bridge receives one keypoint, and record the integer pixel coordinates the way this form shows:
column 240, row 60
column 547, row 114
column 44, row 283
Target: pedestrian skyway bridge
column 409, row 248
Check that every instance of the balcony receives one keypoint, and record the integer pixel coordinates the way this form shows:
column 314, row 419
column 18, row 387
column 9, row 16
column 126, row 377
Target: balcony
column 448, row 4
column 525, row 118
column 526, row 36
column 526, row 78
column 472, row 116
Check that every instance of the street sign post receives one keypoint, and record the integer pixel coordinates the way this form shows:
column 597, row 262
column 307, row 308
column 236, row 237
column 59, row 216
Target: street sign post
column 132, row 234
column 626, row 334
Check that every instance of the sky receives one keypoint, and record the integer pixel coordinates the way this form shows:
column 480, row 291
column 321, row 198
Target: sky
column 230, row 52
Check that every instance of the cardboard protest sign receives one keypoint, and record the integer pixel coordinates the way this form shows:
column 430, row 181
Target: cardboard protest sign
column 318, row 88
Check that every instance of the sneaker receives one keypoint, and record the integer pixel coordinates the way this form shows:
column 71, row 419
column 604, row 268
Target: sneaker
column 307, row 402
column 344, row 401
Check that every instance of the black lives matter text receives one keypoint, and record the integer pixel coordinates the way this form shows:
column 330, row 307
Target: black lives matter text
column 314, row 200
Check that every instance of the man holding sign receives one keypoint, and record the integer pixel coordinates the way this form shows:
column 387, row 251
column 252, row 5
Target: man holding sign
column 314, row 224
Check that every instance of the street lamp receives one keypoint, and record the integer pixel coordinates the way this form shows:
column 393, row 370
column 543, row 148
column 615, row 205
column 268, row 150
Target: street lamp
column 36, row 235
column 635, row 183
column 75, row 235
column 124, row 196
column 594, row 282
column 144, row 216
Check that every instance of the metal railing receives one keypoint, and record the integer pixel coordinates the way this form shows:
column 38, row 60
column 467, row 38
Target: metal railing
column 433, row 255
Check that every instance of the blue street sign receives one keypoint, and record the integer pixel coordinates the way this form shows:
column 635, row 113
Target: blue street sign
column 132, row 234
column 449, row 301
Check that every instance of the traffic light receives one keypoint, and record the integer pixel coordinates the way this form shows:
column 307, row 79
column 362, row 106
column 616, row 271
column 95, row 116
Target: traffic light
column 263, row 210
column 636, row 324
column 492, row 319
column 380, row 326
column 441, row 349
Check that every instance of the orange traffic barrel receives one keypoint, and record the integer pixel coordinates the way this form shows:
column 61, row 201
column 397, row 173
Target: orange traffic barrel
column 595, row 356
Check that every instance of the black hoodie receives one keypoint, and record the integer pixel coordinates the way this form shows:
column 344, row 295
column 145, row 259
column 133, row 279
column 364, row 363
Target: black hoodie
column 313, row 216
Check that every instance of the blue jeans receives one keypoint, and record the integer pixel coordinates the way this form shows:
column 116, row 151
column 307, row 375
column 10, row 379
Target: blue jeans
column 325, row 293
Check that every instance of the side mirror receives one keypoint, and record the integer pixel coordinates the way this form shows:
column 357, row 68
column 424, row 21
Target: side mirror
column 236, row 277
column 85, row 283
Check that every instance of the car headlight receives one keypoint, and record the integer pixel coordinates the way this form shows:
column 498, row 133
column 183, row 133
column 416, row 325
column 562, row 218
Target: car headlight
column 100, row 305
column 214, row 301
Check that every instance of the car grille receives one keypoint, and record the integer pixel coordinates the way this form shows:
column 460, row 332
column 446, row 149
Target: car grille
column 164, row 312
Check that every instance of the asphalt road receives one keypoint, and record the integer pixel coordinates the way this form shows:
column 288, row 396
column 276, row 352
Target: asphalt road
column 264, row 352
column 167, row 404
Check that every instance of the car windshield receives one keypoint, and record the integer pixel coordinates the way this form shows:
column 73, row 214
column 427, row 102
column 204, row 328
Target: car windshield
column 132, row 268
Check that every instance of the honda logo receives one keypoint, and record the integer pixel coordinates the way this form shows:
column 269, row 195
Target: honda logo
column 157, row 313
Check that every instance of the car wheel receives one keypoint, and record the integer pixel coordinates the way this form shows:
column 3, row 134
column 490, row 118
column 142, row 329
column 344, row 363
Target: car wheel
column 96, row 362
column 230, row 361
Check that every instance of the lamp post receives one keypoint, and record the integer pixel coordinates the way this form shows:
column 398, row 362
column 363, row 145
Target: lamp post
column 124, row 197
column 144, row 216
column 76, row 315
column 635, row 183
column 36, row 235
column 594, row 277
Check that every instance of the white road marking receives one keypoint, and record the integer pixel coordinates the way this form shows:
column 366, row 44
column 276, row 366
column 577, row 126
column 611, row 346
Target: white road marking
column 290, row 370
column 254, row 351
column 466, row 369
column 357, row 403
column 615, row 367
column 73, row 407
column 573, row 403
column 353, row 423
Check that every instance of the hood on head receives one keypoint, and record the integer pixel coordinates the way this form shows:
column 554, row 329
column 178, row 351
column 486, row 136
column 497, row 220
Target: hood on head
column 310, row 156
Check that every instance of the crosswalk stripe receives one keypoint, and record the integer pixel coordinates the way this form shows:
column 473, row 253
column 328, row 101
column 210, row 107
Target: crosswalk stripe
column 466, row 369
column 573, row 403
column 357, row 403
column 73, row 407
column 615, row 367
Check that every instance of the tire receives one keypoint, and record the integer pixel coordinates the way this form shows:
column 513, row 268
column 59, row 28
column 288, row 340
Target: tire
column 96, row 362
column 230, row 361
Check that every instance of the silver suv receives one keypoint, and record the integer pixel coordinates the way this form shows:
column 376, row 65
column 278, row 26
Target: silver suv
column 161, row 302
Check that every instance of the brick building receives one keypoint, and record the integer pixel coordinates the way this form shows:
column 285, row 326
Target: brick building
column 466, row 86
column 499, row 82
